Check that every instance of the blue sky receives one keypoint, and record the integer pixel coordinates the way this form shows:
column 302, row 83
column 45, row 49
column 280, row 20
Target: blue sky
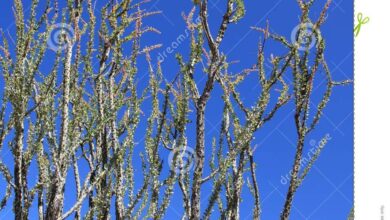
column 327, row 192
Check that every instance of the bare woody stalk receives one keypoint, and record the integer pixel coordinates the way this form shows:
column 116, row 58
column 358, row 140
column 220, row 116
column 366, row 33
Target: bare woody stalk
column 20, row 106
column 18, row 74
column 64, row 153
column 255, row 118
column 304, row 76
column 21, row 86
column 54, row 210
column 213, row 71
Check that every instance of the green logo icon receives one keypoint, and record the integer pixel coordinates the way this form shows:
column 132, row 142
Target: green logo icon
column 361, row 21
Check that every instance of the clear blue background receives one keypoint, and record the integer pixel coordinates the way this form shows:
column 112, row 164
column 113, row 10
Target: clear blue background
column 327, row 192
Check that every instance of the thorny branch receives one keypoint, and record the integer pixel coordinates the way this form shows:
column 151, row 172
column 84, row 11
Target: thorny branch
column 73, row 103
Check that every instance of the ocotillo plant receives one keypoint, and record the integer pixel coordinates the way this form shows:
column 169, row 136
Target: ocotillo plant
column 73, row 100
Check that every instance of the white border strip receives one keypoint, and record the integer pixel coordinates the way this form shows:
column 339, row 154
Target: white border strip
column 372, row 110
